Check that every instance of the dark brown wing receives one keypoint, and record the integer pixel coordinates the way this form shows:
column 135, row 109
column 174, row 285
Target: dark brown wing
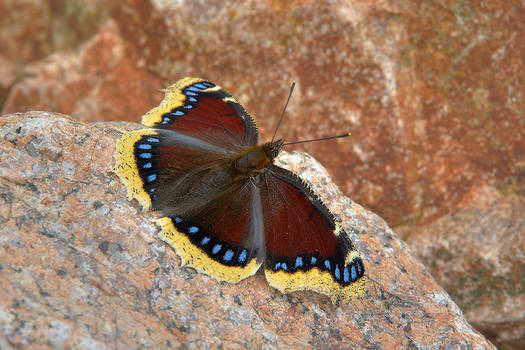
column 305, row 247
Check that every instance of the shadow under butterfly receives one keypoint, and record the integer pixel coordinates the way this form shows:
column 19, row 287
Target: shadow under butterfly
column 224, row 206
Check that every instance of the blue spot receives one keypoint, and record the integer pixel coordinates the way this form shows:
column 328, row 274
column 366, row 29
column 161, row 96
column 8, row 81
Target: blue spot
column 192, row 99
column 208, row 84
column 284, row 266
column 188, row 106
column 153, row 139
column 178, row 220
column 151, row 190
column 190, row 93
column 346, row 275
column 216, row 248
column 166, row 120
column 177, row 113
column 313, row 260
column 228, row 255
column 205, row 240
column 193, row 229
column 193, row 88
column 145, row 155
column 277, row 266
column 298, row 261
column 200, row 86
column 327, row 264
column 151, row 177
column 242, row 256
column 144, row 146
column 354, row 273
column 146, row 166
column 337, row 273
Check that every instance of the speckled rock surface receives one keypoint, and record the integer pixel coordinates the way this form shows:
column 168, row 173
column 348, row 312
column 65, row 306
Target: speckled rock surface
column 478, row 255
column 81, row 266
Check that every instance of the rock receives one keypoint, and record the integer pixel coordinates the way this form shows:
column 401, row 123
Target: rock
column 101, row 81
column 477, row 254
column 82, row 267
column 7, row 77
column 34, row 29
column 432, row 94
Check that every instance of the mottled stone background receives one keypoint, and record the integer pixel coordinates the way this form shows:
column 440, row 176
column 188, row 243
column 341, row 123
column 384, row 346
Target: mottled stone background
column 432, row 91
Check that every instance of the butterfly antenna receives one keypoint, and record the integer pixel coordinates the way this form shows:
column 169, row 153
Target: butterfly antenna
column 321, row 139
column 284, row 110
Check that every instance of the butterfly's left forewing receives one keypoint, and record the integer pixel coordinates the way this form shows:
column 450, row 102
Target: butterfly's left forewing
column 306, row 249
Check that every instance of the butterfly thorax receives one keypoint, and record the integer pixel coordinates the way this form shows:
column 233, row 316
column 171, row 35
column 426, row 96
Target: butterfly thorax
column 255, row 159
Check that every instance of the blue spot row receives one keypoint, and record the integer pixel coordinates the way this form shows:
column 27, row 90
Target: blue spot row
column 216, row 250
column 191, row 92
column 300, row 262
column 350, row 273
column 145, row 152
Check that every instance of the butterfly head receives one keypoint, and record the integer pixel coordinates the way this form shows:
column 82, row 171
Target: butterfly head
column 273, row 148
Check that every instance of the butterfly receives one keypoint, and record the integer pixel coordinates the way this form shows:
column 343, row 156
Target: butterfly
column 224, row 206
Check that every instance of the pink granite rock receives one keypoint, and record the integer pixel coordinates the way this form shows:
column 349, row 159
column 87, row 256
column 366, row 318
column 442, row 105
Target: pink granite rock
column 82, row 267
column 32, row 29
column 99, row 82
column 477, row 254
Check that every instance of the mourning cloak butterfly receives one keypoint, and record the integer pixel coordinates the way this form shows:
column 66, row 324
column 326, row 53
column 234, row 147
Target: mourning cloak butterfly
column 226, row 208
